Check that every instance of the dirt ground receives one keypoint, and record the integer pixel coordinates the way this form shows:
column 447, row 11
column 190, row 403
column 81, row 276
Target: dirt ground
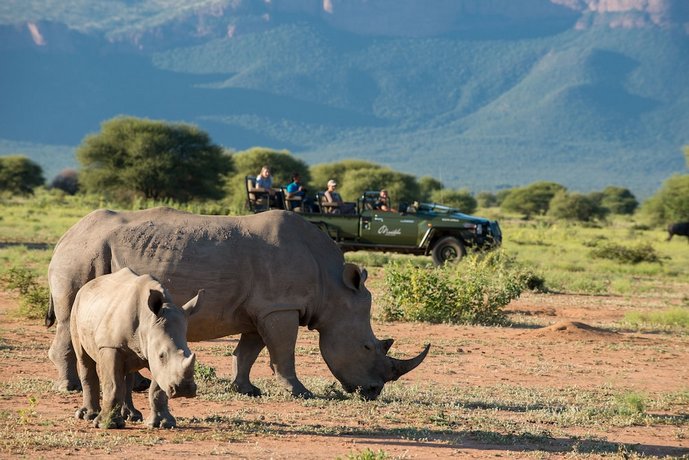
column 561, row 341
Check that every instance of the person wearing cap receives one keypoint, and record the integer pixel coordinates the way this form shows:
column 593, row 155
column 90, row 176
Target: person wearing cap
column 332, row 197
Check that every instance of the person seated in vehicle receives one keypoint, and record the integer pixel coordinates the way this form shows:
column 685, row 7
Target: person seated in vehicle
column 383, row 203
column 296, row 189
column 264, row 180
column 261, row 190
column 333, row 201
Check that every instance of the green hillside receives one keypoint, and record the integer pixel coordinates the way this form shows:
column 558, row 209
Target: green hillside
column 586, row 108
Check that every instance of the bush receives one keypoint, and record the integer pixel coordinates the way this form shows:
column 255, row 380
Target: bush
column 619, row 200
column 473, row 292
column 67, row 181
column 534, row 199
column 670, row 203
column 458, row 199
column 19, row 175
column 576, row 207
column 487, row 199
column 643, row 252
column 33, row 297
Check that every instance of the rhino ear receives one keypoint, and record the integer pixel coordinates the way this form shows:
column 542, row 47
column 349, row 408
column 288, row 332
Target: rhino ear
column 155, row 301
column 194, row 305
column 353, row 277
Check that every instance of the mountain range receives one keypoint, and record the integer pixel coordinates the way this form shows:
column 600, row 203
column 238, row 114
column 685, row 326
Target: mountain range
column 482, row 94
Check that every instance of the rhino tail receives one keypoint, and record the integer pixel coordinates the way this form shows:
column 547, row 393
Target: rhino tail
column 50, row 313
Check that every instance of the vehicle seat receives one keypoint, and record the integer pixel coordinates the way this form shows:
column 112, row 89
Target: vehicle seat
column 292, row 202
column 256, row 202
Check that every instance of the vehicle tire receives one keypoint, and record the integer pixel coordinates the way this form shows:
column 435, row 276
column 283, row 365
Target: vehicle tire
column 448, row 249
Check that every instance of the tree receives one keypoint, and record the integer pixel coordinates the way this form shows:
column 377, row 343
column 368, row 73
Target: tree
column 67, row 181
column 575, row 206
column 354, row 177
column 487, row 199
column 618, row 200
column 400, row 186
column 249, row 163
column 532, row 199
column 20, row 175
column 461, row 200
column 670, row 203
column 322, row 173
column 153, row 159
column 427, row 186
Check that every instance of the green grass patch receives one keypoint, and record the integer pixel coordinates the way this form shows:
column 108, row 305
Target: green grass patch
column 673, row 318
column 641, row 252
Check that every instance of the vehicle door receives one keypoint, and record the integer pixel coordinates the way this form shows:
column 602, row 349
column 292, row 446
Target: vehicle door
column 389, row 228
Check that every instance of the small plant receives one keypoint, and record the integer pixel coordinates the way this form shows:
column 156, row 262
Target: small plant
column 643, row 252
column 27, row 413
column 204, row 372
column 33, row 297
column 630, row 404
column 367, row 454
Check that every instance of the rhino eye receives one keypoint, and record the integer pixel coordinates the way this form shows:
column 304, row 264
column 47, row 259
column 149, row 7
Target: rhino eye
column 368, row 347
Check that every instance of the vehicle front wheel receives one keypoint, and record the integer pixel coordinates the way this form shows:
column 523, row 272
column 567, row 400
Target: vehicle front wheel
column 448, row 249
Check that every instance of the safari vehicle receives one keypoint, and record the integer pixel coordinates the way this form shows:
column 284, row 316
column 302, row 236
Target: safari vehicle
column 426, row 229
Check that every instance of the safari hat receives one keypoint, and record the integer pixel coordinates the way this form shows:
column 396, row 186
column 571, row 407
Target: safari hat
column 331, row 182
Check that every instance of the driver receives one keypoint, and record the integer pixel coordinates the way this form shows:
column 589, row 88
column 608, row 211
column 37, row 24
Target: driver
column 383, row 203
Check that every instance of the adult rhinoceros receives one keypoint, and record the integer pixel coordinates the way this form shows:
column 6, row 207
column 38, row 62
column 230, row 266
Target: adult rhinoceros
column 264, row 276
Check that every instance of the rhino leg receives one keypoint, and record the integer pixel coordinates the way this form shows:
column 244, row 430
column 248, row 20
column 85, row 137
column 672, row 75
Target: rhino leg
column 279, row 332
column 61, row 352
column 112, row 377
column 244, row 356
column 89, row 381
column 160, row 411
column 129, row 412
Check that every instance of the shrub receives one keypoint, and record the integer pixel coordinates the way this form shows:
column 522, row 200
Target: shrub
column 534, row 199
column 20, row 175
column 473, row 292
column 643, row 252
column 670, row 203
column 575, row 206
column 67, row 181
column 462, row 200
column 487, row 199
column 619, row 200
column 33, row 297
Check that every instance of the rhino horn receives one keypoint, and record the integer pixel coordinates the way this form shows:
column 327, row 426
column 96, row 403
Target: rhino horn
column 386, row 344
column 189, row 364
column 402, row 366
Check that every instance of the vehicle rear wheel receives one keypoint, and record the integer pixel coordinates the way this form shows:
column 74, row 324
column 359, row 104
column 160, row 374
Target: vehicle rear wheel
column 448, row 249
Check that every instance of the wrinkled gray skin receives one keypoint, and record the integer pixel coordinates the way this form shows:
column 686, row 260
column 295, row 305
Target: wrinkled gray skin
column 264, row 276
column 121, row 323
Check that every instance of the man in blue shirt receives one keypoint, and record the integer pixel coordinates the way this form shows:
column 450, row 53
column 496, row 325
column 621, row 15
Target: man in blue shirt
column 296, row 189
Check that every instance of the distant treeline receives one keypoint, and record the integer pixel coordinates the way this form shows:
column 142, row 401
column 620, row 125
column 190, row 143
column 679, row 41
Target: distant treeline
column 132, row 158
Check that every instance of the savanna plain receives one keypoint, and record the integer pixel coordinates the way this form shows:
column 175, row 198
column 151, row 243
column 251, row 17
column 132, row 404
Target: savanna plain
column 593, row 365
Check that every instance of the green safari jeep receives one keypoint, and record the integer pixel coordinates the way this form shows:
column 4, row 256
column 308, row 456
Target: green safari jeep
column 426, row 229
column 419, row 228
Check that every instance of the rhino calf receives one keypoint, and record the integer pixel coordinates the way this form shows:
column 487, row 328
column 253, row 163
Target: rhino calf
column 679, row 228
column 121, row 323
